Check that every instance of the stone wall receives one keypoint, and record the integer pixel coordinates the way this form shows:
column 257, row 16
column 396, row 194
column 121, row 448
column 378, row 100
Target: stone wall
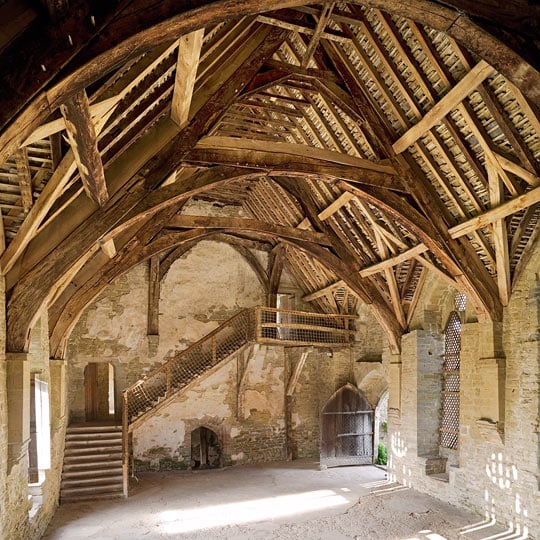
column 202, row 289
column 495, row 470
column 25, row 510
column 250, row 419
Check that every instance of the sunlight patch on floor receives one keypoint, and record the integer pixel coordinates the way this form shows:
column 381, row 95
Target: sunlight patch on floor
column 238, row 513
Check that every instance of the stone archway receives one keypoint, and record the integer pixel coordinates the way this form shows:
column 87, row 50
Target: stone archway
column 205, row 449
column 346, row 429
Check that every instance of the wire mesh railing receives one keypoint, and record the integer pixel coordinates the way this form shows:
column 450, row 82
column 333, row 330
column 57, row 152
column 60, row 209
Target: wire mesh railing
column 283, row 327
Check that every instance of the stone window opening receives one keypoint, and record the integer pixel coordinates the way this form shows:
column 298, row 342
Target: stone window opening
column 39, row 448
column 450, row 402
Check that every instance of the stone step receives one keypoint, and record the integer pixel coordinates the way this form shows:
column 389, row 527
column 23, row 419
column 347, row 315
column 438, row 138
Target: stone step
column 85, row 436
column 88, row 458
column 94, row 482
column 92, row 450
column 93, row 442
column 93, row 473
column 91, row 493
column 81, row 497
column 93, row 428
column 92, row 464
column 102, row 488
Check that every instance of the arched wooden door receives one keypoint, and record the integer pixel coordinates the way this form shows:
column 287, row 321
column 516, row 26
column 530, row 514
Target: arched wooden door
column 347, row 429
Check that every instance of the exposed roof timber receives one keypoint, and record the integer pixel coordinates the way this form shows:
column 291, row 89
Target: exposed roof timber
column 477, row 281
column 242, row 224
column 83, row 140
column 296, row 27
column 246, row 64
column 52, row 191
column 523, row 201
column 436, row 16
column 97, row 110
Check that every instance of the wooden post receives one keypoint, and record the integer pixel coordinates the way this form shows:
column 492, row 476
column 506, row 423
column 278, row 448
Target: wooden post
column 258, row 323
column 125, row 446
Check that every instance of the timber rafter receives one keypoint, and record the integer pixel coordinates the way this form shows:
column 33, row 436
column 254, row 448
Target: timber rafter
column 365, row 144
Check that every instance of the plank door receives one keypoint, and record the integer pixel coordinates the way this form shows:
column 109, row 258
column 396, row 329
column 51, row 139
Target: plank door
column 347, row 429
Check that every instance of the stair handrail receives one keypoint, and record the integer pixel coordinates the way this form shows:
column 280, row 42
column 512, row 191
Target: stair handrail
column 192, row 347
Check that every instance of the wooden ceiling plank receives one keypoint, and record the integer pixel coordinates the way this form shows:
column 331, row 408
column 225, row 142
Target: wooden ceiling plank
column 387, row 63
column 451, row 100
column 83, row 140
column 528, row 111
column 498, row 113
column 329, row 126
column 221, row 45
column 338, row 121
column 55, row 186
column 25, row 178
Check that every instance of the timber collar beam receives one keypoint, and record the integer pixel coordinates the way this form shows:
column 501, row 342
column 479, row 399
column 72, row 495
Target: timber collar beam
column 247, row 225
column 286, row 159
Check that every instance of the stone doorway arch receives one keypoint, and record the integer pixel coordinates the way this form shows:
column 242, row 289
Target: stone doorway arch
column 205, row 449
column 347, row 429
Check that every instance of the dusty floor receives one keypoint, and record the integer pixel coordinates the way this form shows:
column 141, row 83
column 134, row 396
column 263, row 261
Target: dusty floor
column 277, row 501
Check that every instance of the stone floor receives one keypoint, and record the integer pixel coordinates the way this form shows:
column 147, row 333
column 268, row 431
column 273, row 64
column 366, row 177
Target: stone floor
column 278, row 501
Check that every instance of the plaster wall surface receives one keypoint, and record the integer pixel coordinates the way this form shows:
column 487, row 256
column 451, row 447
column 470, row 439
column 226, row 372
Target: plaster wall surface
column 202, row 289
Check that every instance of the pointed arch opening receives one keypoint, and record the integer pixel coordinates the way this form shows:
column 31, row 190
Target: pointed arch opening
column 347, row 429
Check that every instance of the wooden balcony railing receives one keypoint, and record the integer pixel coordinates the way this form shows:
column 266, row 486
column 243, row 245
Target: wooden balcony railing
column 261, row 325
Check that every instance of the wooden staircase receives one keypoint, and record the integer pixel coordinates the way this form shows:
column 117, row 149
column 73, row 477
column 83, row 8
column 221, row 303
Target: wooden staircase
column 261, row 325
column 92, row 462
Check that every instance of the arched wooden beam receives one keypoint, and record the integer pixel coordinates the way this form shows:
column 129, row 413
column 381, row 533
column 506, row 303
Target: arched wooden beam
column 477, row 284
column 35, row 289
column 120, row 35
column 134, row 253
column 144, row 159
